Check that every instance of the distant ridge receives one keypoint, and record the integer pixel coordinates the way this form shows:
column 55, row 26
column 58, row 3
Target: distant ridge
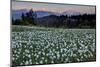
column 16, row 14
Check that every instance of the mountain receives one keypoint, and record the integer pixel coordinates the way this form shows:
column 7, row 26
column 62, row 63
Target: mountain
column 45, row 13
column 51, row 19
column 70, row 13
column 16, row 14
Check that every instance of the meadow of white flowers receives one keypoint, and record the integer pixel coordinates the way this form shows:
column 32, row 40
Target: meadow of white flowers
column 38, row 45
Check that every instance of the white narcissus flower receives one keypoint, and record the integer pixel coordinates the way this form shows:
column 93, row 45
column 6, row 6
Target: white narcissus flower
column 54, row 44
column 29, row 55
column 41, row 62
column 45, row 60
column 26, row 63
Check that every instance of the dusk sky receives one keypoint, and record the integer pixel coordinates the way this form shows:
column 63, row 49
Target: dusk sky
column 59, row 8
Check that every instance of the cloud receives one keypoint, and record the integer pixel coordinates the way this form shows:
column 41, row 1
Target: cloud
column 59, row 8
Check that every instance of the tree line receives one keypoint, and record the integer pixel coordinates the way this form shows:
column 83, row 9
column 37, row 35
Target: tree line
column 28, row 18
column 65, row 21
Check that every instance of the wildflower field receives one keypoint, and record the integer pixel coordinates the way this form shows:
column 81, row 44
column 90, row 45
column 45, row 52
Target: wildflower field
column 39, row 45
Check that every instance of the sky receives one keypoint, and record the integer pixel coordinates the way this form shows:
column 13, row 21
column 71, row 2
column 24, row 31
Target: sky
column 58, row 8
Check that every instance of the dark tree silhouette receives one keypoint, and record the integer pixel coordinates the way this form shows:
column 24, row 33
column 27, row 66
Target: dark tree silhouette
column 30, row 17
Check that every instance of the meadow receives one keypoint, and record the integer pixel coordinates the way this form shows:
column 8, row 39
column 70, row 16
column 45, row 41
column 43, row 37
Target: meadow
column 39, row 45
